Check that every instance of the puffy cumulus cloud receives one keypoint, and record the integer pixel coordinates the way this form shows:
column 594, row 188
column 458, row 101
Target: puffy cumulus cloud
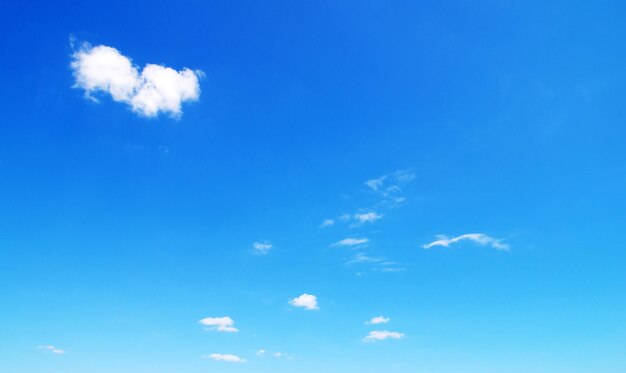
column 351, row 241
column 381, row 335
column 306, row 301
column 52, row 349
column 262, row 248
column 148, row 92
column 478, row 238
column 225, row 357
column 379, row 320
column 221, row 324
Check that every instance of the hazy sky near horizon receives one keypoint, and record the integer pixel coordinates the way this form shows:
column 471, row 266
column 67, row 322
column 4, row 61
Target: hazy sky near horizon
column 329, row 186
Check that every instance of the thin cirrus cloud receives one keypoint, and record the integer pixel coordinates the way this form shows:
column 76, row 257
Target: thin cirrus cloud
column 367, row 217
column 327, row 223
column 229, row 358
column 478, row 238
column 381, row 335
column 153, row 90
column 351, row 241
column 262, row 248
column 221, row 324
column 378, row 320
column 306, row 301
column 52, row 349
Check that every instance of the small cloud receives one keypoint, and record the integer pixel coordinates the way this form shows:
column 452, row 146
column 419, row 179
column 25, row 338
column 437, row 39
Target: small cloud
column 390, row 187
column 367, row 217
column 306, row 301
column 148, row 92
column 221, row 324
column 52, row 349
column 261, row 352
column 378, row 320
column 478, row 238
column 225, row 357
column 364, row 258
column 381, row 335
column 351, row 242
column 327, row 223
column 376, row 184
column 262, row 248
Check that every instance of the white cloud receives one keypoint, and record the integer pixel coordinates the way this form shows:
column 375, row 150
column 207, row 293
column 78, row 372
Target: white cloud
column 262, row 248
column 261, row 352
column 381, row 335
column 379, row 320
column 154, row 90
column 364, row 258
column 52, row 349
column 306, row 301
column 479, row 238
column 351, row 242
column 327, row 223
column 376, row 184
column 225, row 357
column 367, row 217
column 221, row 324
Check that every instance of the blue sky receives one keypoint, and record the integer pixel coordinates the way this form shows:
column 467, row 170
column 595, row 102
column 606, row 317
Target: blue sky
column 285, row 172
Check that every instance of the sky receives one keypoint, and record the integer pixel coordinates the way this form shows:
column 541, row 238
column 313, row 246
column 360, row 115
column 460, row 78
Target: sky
column 313, row 186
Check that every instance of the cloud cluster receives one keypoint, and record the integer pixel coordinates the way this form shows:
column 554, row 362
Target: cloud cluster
column 52, row 349
column 306, row 301
column 390, row 186
column 221, row 324
column 262, row 248
column 229, row 358
column 148, row 92
column 478, row 238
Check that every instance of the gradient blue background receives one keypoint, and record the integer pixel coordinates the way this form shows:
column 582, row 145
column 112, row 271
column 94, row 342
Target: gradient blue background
column 118, row 233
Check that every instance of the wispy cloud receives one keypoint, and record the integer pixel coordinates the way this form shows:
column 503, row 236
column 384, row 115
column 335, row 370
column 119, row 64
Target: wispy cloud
column 263, row 352
column 381, row 335
column 378, row 320
column 52, row 349
column 225, row 357
column 390, row 186
column 306, row 301
column 351, row 242
column 148, row 92
column 261, row 248
column 367, row 217
column 327, row 223
column 221, row 324
column 478, row 238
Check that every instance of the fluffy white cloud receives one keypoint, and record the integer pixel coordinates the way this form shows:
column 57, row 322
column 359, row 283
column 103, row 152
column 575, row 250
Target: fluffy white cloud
column 380, row 335
column 327, row 223
column 261, row 352
column 153, row 90
column 261, row 248
column 306, row 301
column 367, row 217
column 225, row 357
column 52, row 349
column 351, row 242
column 479, row 238
column 221, row 324
column 379, row 320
